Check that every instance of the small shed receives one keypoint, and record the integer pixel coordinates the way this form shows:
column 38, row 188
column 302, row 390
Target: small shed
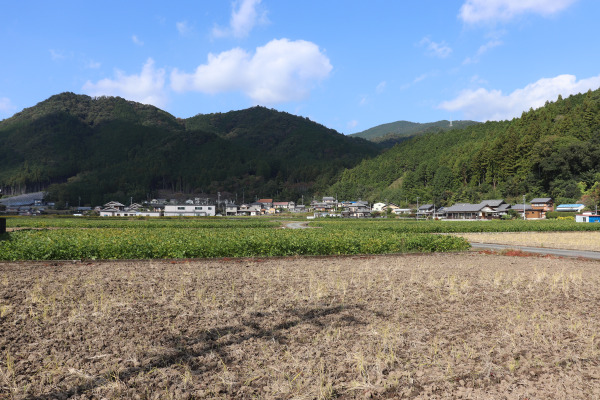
column 587, row 218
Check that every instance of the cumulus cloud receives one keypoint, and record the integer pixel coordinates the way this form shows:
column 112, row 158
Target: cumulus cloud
column 136, row 40
column 244, row 17
column 278, row 72
column 441, row 50
column 148, row 87
column 481, row 11
column 483, row 105
column 6, row 106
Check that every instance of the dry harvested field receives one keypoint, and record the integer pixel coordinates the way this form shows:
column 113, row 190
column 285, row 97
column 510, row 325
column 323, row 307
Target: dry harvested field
column 469, row 325
column 557, row 240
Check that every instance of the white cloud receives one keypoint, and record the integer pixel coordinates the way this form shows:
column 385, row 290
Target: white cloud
column 243, row 19
column 352, row 124
column 148, row 87
column 6, row 106
column 136, row 40
column 482, row 104
column 278, row 72
column 57, row 55
column 481, row 11
column 482, row 50
column 441, row 50
column 420, row 78
column 381, row 87
column 183, row 28
column 92, row 64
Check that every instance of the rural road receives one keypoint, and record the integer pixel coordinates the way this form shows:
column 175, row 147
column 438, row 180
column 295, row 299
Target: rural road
column 594, row 255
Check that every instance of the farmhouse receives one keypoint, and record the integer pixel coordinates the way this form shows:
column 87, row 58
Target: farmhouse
column 266, row 203
column 541, row 206
column 231, row 209
column 115, row 204
column 587, row 218
column 468, row 211
column 530, row 213
column 358, row 209
column 189, row 210
column 251, row 209
column 426, row 210
column 570, row 207
column 115, row 212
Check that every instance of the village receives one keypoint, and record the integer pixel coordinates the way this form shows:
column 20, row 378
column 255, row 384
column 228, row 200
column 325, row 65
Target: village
column 329, row 207
column 536, row 209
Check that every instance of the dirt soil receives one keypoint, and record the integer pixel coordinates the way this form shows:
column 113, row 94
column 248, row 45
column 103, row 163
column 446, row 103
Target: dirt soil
column 470, row 325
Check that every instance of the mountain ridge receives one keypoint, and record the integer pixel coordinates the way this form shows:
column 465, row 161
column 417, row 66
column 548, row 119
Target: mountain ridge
column 77, row 146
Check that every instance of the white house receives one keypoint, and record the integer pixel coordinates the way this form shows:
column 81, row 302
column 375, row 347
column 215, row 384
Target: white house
column 114, row 212
column 379, row 206
column 570, row 207
column 189, row 210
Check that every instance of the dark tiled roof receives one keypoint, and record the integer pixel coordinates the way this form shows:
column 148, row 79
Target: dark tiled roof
column 492, row 203
column 519, row 207
column 464, row 207
column 503, row 207
column 541, row 200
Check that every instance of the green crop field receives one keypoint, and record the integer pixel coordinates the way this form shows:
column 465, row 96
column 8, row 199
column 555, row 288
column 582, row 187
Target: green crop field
column 105, row 238
column 77, row 239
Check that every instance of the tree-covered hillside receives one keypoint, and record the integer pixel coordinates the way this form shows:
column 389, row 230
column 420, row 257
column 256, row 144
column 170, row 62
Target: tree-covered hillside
column 387, row 135
column 552, row 151
column 96, row 149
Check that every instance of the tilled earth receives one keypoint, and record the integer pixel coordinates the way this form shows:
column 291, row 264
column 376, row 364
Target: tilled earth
column 470, row 325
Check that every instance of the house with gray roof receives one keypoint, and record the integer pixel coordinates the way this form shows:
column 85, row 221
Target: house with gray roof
column 468, row 211
column 487, row 209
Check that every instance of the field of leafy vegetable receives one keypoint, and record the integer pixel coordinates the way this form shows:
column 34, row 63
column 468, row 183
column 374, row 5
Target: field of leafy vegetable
column 177, row 242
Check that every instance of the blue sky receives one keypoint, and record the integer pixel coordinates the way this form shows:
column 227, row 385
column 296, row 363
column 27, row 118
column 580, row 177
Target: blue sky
column 349, row 65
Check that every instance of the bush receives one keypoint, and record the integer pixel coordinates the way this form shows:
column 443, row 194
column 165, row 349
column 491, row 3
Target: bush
column 557, row 214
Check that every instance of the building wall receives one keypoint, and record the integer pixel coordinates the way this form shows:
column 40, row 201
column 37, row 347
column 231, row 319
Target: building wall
column 189, row 211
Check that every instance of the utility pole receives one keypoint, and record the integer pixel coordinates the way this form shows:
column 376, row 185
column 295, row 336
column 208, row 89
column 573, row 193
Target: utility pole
column 218, row 200
column 523, row 207
column 417, row 207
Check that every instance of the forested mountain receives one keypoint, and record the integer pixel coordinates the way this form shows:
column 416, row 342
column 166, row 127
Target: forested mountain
column 552, row 151
column 96, row 149
column 388, row 135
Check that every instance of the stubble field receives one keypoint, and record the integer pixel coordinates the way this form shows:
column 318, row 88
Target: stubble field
column 465, row 325
column 558, row 240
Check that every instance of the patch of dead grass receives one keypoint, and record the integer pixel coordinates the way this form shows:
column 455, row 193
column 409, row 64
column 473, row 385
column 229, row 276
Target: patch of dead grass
column 589, row 241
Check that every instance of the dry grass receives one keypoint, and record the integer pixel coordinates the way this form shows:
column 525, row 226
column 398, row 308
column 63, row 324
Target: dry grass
column 559, row 240
column 434, row 326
